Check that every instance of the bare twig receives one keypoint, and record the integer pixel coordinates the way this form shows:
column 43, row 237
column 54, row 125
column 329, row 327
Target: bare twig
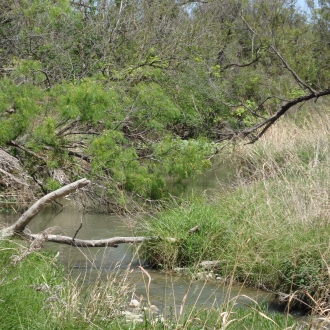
column 30, row 152
column 294, row 74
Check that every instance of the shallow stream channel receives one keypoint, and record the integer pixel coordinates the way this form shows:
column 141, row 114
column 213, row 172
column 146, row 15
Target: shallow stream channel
column 170, row 292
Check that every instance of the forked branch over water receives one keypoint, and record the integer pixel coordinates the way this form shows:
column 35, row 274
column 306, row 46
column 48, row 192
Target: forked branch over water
column 18, row 227
column 262, row 127
column 113, row 242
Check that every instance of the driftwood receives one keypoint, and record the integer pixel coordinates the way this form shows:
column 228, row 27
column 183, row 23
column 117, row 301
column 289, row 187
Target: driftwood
column 113, row 242
column 18, row 227
column 23, row 221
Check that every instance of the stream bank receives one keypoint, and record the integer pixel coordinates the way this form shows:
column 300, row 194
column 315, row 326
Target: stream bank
column 167, row 290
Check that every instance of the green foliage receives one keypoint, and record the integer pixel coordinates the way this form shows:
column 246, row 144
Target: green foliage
column 44, row 135
column 158, row 112
column 140, row 98
column 88, row 100
column 51, row 185
column 27, row 70
column 205, row 244
column 18, row 108
column 248, row 84
column 109, row 152
column 184, row 158
column 23, row 303
column 100, row 118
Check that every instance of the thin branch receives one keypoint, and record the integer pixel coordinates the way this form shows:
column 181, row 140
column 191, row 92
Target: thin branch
column 30, row 152
column 81, row 133
column 47, row 78
column 240, row 65
column 282, row 110
column 76, row 233
column 76, row 154
column 296, row 77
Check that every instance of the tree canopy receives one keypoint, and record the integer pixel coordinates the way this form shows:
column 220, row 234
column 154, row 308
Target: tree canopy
column 130, row 93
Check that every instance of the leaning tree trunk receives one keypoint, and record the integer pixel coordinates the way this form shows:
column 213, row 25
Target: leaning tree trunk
column 17, row 229
column 19, row 226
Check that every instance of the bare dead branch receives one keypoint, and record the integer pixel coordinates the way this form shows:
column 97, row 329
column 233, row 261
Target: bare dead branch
column 18, row 227
column 105, row 242
column 24, row 220
column 81, row 133
column 111, row 242
column 282, row 110
column 13, row 178
column 67, row 127
column 241, row 65
column 30, row 152
column 255, row 132
column 78, row 155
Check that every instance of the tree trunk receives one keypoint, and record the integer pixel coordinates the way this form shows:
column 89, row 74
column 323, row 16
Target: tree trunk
column 23, row 221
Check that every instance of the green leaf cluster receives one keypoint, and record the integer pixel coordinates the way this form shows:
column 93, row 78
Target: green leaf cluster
column 19, row 106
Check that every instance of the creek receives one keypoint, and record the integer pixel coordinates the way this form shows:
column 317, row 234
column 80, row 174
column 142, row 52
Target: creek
column 168, row 291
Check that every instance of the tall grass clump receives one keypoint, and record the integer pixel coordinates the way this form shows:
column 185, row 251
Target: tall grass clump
column 227, row 316
column 36, row 293
column 271, row 229
column 24, row 276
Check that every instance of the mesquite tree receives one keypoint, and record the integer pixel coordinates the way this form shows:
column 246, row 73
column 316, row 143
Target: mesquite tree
column 129, row 93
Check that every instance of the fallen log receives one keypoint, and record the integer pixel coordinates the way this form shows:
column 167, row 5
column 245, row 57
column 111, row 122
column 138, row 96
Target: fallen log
column 18, row 228
column 105, row 242
column 23, row 221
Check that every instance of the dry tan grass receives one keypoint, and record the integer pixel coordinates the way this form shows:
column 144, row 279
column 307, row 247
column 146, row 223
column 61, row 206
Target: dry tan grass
column 294, row 152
